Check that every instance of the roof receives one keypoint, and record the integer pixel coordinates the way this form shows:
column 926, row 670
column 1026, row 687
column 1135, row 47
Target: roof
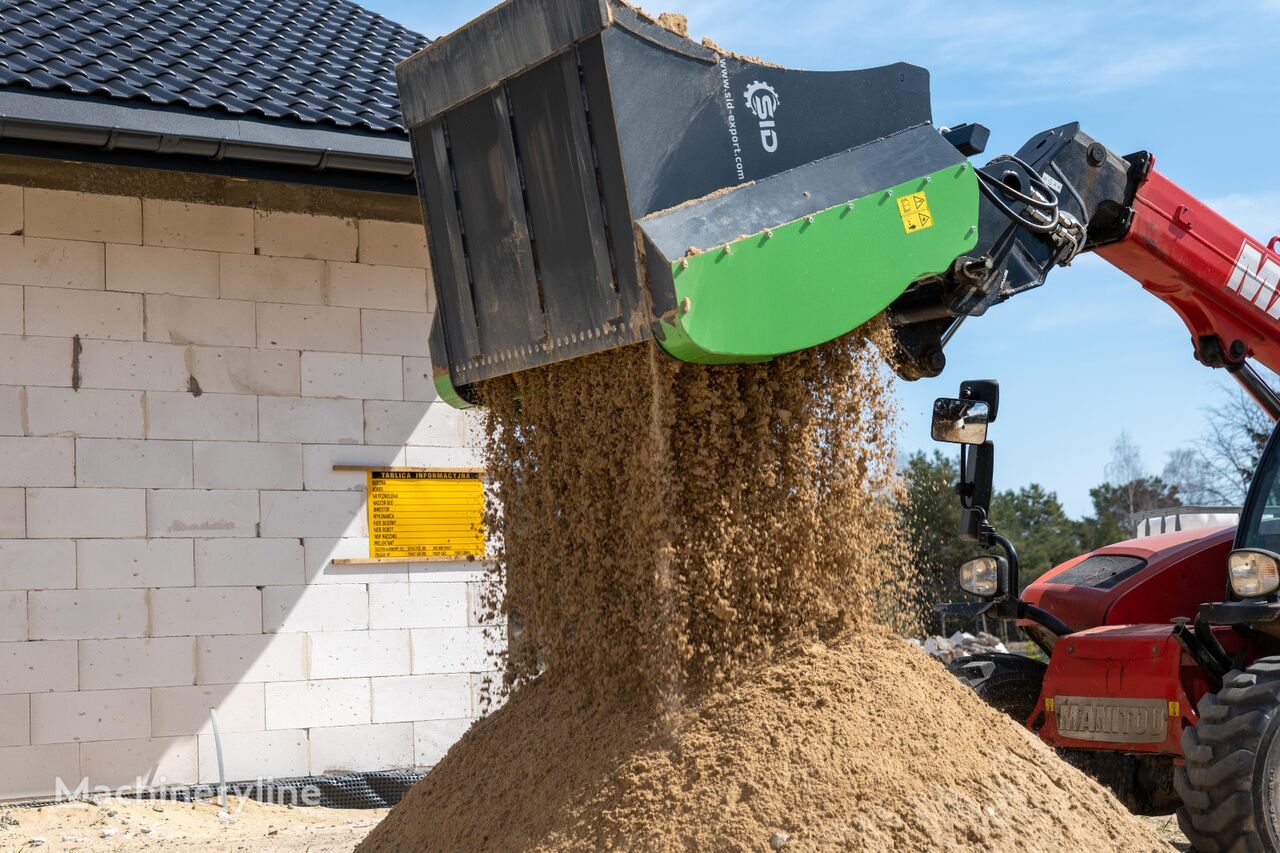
column 304, row 74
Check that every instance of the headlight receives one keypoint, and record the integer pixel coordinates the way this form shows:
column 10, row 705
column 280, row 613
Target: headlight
column 981, row 576
column 1253, row 572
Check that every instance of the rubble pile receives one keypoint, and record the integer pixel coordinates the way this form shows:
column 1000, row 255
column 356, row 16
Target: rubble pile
column 958, row 645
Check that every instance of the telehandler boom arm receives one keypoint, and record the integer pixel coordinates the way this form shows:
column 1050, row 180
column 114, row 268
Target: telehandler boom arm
column 1220, row 281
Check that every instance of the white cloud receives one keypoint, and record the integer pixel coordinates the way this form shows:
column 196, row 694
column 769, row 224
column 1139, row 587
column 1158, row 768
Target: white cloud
column 1256, row 213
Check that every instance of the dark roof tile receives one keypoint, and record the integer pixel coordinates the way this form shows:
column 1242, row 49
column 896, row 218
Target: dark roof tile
column 315, row 61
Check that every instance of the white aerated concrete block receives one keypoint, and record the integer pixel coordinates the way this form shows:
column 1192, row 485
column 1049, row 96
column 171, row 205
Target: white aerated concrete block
column 421, row 697
column 315, row 608
column 10, row 209
column 41, row 262
column 402, row 244
column 36, row 667
column 185, row 710
column 318, row 461
column 202, row 512
column 209, row 417
column 125, row 463
column 454, row 649
column 486, row 695
column 82, row 216
column 215, row 322
column 10, row 309
column 135, row 563
column 311, row 421
column 15, row 721
column 433, row 738
column 197, row 226
column 247, row 465
column 155, row 269
column 249, row 562
column 304, row 235
column 386, row 287
column 90, row 715
column 13, row 617
column 11, row 411
column 261, row 278
column 431, row 424
column 37, row 462
column 443, row 457
column 308, row 327
column 320, row 568
column 134, row 365
column 451, row 571
column 86, row 513
column 395, row 332
column 250, row 756
column 231, row 370
column 85, row 413
column 301, row 514
column 185, row 611
column 148, row 762
column 148, row 662
column 93, row 614
column 13, row 513
column 251, row 657
column 423, row 605
column 351, row 375
column 418, row 383
column 37, row 564
column 33, row 771
column 361, row 748
column 353, row 654
column 305, row 704
column 35, row 361
column 62, row 313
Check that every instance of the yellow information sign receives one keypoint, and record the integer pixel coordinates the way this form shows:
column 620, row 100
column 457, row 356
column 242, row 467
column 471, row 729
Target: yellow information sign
column 914, row 210
column 417, row 513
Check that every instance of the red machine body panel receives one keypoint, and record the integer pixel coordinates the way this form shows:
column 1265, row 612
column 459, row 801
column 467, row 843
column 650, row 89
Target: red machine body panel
column 1221, row 281
column 1122, row 681
column 1127, row 686
column 1183, row 570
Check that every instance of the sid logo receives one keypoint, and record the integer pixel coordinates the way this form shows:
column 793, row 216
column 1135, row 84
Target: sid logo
column 762, row 100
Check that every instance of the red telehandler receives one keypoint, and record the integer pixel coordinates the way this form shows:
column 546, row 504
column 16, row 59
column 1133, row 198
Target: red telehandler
column 1163, row 673
column 591, row 179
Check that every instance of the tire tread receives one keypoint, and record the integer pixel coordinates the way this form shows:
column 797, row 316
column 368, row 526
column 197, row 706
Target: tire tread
column 1219, row 813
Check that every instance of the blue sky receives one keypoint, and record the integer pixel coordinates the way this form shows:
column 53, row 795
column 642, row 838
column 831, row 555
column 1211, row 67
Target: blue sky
column 1194, row 83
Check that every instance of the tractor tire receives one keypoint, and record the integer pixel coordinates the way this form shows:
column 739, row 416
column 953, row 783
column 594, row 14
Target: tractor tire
column 1230, row 782
column 1009, row 683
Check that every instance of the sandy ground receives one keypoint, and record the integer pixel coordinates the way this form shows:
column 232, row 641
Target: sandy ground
column 1167, row 828
column 116, row 824
column 257, row 826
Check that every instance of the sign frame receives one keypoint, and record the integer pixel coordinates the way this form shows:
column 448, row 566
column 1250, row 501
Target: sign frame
column 369, row 471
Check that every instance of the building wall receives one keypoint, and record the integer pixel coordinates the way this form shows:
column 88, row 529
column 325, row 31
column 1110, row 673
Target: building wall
column 177, row 382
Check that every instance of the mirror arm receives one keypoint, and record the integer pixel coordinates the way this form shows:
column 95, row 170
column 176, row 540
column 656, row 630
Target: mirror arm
column 1011, row 555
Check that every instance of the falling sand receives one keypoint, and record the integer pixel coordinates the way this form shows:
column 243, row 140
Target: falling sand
column 698, row 564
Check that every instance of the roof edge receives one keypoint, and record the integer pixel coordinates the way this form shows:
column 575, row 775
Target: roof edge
column 141, row 128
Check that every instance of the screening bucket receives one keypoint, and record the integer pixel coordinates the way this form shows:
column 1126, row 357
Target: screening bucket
column 590, row 179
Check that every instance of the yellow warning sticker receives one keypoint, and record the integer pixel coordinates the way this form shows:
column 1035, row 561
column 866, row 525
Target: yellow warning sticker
column 914, row 210
column 418, row 513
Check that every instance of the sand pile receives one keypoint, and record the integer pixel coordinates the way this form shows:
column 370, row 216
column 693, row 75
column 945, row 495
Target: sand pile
column 696, row 564
column 861, row 745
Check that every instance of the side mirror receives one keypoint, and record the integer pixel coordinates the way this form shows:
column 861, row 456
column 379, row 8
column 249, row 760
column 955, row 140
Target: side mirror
column 959, row 421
